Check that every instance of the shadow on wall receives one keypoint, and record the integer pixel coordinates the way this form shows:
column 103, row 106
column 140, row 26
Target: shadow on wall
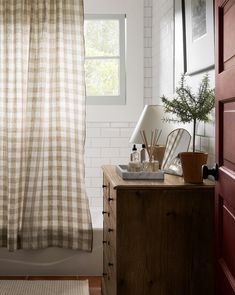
column 167, row 127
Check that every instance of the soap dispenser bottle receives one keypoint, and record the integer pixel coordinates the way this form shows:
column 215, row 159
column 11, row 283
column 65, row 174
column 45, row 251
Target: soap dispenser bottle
column 134, row 157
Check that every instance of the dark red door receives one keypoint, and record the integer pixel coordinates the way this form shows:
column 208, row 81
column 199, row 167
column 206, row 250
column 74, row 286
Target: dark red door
column 225, row 146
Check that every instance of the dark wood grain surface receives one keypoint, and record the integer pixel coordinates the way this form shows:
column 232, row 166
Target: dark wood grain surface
column 163, row 236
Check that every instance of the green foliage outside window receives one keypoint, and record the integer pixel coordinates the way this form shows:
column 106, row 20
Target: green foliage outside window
column 102, row 66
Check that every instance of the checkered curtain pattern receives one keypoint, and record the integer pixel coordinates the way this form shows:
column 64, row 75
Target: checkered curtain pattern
column 42, row 126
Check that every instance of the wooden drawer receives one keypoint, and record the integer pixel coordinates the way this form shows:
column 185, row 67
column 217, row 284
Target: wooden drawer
column 109, row 264
column 109, row 219
column 109, row 276
column 109, row 237
column 108, row 286
column 109, row 199
column 112, row 201
column 161, row 238
column 110, row 206
column 109, row 246
column 110, row 255
column 106, row 187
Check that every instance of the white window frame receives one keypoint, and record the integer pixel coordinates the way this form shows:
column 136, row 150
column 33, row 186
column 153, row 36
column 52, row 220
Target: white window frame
column 121, row 98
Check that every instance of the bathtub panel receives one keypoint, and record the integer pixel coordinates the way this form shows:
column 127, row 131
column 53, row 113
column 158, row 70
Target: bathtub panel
column 56, row 261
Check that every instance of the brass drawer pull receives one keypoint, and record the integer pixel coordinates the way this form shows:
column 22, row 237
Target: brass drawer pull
column 110, row 230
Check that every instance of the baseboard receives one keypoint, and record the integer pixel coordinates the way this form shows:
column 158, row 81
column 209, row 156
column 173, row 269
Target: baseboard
column 94, row 281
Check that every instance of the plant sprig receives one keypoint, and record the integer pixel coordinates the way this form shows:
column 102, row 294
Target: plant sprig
column 190, row 107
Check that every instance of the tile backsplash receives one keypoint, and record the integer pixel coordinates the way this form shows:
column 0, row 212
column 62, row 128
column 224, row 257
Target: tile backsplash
column 108, row 142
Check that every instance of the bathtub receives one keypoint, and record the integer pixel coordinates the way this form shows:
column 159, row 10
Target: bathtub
column 56, row 261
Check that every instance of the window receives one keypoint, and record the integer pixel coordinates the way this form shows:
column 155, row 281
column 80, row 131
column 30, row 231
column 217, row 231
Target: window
column 105, row 59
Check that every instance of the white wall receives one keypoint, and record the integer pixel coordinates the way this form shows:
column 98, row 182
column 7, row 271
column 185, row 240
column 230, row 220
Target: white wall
column 163, row 69
column 108, row 140
column 109, row 127
column 147, row 51
column 162, row 49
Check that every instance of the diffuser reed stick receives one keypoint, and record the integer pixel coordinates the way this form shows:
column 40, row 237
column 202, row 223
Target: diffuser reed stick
column 153, row 141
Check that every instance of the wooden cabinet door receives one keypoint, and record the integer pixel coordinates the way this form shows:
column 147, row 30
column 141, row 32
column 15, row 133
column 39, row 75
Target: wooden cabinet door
column 225, row 146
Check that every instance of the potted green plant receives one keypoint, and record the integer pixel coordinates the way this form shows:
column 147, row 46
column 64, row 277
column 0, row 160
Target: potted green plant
column 189, row 107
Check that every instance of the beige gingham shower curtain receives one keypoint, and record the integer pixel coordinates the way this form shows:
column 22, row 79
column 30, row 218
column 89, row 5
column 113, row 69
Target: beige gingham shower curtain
column 42, row 125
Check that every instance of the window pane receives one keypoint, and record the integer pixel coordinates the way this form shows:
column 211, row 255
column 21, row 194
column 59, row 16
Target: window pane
column 102, row 77
column 102, row 37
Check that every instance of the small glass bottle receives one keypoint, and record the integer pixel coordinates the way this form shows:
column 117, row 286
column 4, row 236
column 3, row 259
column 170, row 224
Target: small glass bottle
column 134, row 157
column 143, row 154
column 155, row 166
column 134, row 164
column 151, row 166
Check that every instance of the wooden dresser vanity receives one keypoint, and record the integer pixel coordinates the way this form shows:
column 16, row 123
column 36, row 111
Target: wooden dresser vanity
column 157, row 236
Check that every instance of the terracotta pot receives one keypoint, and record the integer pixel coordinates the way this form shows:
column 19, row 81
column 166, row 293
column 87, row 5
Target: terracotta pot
column 158, row 153
column 192, row 163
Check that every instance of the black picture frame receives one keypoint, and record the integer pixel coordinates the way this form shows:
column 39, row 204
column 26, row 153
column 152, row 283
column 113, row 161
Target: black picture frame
column 198, row 35
column 180, row 62
column 182, row 55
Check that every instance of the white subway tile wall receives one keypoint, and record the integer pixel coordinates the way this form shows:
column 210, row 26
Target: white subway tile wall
column 148, row 51
column 163, row 70
column 108, row 142
column 162, row 49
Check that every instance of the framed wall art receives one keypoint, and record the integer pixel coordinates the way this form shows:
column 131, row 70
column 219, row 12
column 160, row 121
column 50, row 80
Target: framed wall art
column 198, row 28
column 179, row 42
